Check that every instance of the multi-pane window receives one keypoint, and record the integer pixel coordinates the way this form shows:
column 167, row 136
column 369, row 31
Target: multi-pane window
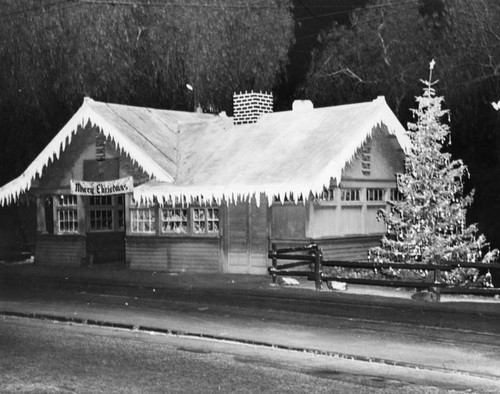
column 101, row 213
column 205, row 220
column 101, row 200
column 68, row 200
column 101, row 220
column 67, row 214
column 366, row 158
column 396, row 195
column 143, row 219
column 375, row 194
column 174, row 220
column 349, row 194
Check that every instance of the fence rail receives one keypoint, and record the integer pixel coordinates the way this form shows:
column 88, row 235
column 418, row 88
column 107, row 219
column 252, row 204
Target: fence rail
column 311, row 255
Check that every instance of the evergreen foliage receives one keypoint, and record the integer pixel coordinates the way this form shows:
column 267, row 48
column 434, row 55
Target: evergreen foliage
column 386, row 43
column 53, row 54
column 428, row 224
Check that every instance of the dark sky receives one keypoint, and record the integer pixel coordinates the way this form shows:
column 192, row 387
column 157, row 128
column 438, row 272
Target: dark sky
column 312, row 17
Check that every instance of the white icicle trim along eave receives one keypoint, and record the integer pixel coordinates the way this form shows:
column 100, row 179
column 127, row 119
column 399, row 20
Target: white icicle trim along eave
column 11, row 191
column 163, row 189
column 383, row 117
column 162, row 193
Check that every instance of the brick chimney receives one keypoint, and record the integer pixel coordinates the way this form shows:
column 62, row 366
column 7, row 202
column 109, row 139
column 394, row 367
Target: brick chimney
column 249, row 107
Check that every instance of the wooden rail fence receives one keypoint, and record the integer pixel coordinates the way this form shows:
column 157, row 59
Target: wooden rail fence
column 310, row 257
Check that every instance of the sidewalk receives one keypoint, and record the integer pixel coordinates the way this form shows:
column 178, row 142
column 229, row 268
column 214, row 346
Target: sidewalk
column 242, row 284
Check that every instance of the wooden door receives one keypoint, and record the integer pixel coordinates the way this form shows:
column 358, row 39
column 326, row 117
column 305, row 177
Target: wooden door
column 247, row 237
column 105, row 221
column 104, row 215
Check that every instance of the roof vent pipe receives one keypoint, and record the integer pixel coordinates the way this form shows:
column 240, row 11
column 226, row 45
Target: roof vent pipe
column 302, row 105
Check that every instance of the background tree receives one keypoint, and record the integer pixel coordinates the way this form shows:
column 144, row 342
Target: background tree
column 52, row 54
column 387, row 43
column 429, row 223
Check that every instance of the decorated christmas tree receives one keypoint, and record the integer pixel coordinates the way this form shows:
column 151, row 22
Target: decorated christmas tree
column 428, row 224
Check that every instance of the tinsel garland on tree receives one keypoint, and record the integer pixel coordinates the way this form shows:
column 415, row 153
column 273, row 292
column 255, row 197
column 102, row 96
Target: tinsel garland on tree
column 428, row 223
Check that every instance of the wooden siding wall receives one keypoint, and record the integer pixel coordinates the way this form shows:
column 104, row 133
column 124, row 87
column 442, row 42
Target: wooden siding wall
column 372, row 222
column 246, row 237
column 82, row 147
column 173, row 254
column 387, row 159
column 57, row 174
column 78, row 161
column 105, row 247
column 336, row 218
column 259, row 238
column 351, row 220
column 348, row 248
column 329, row 219
column 341, row 218
column 289, row 220
column 128, row 167
column 62, row 250
column 342, row 248
column 18, row 229
column 104, row 170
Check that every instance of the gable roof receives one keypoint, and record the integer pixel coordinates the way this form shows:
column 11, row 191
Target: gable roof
column 290, row 151
column 148, row 136
column 191, row 154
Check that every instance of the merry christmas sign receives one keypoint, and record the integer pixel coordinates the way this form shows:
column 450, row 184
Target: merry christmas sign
column 116, row 186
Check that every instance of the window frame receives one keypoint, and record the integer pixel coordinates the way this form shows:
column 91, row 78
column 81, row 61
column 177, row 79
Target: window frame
column 207, row 220
column 350, row 201
column 102, row 208
column 67, row 204
column 395, row 195
column 182, row 217
column 134, row 210
column 178, row 216
column 114, row 204
column 375, row 190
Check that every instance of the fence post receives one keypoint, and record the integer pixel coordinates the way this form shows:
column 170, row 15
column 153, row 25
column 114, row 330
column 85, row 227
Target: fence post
column 437, row 280
column 274, row 262
column 318, row 267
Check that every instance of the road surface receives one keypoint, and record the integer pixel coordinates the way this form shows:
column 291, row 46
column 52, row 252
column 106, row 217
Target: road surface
column 397, row 344
column 42, row 356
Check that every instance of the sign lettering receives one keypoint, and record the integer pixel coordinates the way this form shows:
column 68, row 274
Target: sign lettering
column 104, row 188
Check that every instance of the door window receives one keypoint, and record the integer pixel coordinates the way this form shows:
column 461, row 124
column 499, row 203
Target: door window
column 106, row 213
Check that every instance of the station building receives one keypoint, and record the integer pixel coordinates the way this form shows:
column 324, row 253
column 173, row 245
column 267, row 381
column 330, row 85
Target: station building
column 184, row 191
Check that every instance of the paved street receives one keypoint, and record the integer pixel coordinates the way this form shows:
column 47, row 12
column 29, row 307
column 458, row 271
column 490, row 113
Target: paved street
column 457, row 341
column 41, row 356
